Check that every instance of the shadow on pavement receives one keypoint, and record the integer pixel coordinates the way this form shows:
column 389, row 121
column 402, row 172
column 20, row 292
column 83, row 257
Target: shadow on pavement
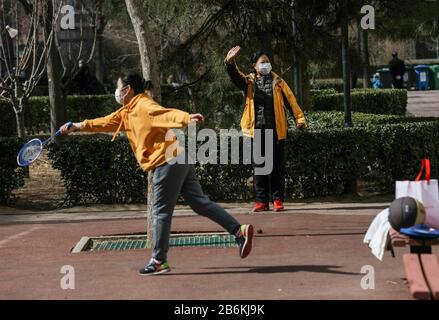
column 270, row 269
column 310, row 234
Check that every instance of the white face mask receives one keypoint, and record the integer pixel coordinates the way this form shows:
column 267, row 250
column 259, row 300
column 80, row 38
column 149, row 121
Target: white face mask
column 117, row 95
column 265, row 68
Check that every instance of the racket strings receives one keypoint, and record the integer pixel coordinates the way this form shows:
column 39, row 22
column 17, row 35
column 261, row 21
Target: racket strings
column 31, row 153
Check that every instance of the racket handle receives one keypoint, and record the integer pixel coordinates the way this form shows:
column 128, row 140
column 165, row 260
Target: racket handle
column 69, row 125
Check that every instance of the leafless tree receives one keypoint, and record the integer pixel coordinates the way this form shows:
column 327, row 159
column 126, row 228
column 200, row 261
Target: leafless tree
column 151, row 71
column 22, row 74
column 66, row 63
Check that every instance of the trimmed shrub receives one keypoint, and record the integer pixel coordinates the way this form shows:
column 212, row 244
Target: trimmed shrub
column 11, row 175
column 320, row 120
column 335, row 84
column 37, row 112
column 388, row 101
column 78, row 108
column 96, row 170
column 319, row 162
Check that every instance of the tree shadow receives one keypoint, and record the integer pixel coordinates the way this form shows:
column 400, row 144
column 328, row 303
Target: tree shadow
column 271, row 270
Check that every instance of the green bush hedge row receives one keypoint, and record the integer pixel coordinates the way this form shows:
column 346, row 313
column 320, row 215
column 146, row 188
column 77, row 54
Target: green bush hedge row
column 320, row 162
column 320, row 120
column 37, row 112
column 11, row 176
column 335, row 84
column 96, row 170
column 389, row 101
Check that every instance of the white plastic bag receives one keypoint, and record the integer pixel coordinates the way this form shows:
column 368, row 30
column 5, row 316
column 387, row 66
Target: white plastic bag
column 425, row 191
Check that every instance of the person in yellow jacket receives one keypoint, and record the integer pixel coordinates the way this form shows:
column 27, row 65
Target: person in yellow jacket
column 267, row 97
column 146, row 124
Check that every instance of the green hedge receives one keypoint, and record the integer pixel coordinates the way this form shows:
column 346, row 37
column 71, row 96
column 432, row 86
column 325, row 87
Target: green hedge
column 335, row 84
column 37, row 112
column 320, row 162
column 320, row 120
column 390, row 101
column 96, row 170
column 11, row 176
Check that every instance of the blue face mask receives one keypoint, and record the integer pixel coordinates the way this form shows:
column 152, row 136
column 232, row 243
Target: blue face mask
column 265, row 68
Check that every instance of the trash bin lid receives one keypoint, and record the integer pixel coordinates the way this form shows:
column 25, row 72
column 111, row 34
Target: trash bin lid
column 422, row 66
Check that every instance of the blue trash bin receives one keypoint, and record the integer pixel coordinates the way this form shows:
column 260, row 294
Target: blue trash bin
column 422, row 77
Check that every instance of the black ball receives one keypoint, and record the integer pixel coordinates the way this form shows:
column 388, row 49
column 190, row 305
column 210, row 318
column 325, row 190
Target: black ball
column 403, row 212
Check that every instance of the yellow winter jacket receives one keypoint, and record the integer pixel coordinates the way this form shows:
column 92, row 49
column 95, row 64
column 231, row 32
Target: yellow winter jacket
column 146, row 124
column 282, row 95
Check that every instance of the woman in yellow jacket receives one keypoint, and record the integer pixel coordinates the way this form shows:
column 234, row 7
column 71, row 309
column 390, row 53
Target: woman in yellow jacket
column 267, row 97
column 146, row 124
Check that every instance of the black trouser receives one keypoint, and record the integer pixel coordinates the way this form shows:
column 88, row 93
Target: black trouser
column 276, row 179
column 398, row 84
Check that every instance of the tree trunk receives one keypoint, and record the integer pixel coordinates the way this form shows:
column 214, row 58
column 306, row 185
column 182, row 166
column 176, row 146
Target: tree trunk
column 54, row 75
column 99, row 56
column 150, row 69
column 306, row 89
column 19, row 119
column 346, row 65
column 145, row 39
column 297, row 71
column 21, row 131
column 56, row 96
column 363, row 43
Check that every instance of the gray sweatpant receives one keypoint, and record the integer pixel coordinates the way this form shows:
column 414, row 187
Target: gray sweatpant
column 171, row 180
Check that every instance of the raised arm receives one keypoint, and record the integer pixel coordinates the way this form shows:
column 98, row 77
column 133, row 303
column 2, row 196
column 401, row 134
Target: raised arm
column 237, row 77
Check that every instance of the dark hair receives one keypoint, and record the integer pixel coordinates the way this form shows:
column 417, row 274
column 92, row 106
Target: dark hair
column 257, row 55
column 135, row 81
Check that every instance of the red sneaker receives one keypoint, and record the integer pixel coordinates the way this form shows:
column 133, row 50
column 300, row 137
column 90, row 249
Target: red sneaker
column 260, row 206
column 278, row 205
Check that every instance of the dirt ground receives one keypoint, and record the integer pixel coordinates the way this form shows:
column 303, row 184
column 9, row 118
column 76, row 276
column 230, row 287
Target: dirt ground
column 43, row 189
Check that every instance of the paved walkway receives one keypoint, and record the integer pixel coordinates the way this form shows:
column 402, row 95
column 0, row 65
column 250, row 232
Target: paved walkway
column 311, row 251
column 423, row 103
column 123, row 212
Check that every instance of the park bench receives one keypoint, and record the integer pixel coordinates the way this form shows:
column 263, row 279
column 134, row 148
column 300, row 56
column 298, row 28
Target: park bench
column 420, row 265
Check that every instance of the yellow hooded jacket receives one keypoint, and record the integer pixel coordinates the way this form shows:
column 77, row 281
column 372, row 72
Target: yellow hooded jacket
column 282, row 95
column 146, row 124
